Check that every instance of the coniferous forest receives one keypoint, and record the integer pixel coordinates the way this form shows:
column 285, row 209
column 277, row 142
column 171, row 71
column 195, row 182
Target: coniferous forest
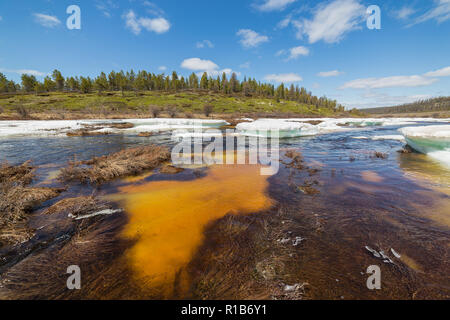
column 147, row 81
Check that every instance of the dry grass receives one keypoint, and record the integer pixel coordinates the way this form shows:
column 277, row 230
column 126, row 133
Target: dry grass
column 380, row 155
column 17, row 199
column 85, row 133
column 78, row 207
column 127, row 162
column 146, row 134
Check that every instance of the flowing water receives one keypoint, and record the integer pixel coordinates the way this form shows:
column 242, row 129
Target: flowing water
column 168, row 242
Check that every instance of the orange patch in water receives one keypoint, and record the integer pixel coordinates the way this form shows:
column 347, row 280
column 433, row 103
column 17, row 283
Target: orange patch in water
column 167, row 218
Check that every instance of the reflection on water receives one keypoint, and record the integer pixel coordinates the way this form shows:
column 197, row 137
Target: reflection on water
column 421, row 167
column 168, row 218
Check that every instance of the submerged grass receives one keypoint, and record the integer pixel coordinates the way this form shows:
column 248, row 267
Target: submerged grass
column 79, row 207
column 17, row 199
column 127, row 162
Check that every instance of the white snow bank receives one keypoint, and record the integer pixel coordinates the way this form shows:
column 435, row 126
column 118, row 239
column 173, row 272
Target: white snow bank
column 389, row 137
column 61, row 127
column 285, row 128
column 383, row 137
column 295, row 127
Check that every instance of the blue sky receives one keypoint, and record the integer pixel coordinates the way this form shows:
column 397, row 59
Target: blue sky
column 324, row 46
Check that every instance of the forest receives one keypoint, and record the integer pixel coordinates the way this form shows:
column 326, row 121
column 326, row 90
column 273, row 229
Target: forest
column 428, row 105
column 146, row 81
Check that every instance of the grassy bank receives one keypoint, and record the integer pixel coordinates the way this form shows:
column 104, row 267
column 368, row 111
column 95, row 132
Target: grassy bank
column 188, row 104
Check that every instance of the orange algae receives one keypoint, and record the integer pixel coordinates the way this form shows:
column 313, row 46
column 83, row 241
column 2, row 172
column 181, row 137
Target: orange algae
column 167, row 218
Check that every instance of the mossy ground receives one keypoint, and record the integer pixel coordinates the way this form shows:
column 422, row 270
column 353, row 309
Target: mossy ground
column 112, row 104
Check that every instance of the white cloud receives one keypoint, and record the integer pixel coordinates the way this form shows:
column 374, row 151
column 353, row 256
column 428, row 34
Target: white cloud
column 325, row 74
column 285, row 77
column 389, row 82
column 162, row 68
column 215, row 73
column 106, row 6
column 280, row 53
column 293, row 53
column 274, row 5
column 1, row 18
column 404, row 13
column 296, row 52
column 153, row 8
column 284, row 23
column 157, row 25
column 131, row 22
column 212, row 69
column 46, row 20
column 245, row 65
column 331, row 21
column 444, row 72
column 204, row 44
column 24, row 71
column 250, row 38
column 378, row 99
column 440, row 13
column 197, row 64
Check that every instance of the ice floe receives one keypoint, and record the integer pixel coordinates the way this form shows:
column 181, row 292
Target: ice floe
column 298, row 127
column 284, row 128
column 431, row 140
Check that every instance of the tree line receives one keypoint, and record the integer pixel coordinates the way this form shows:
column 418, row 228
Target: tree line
column 426, row 105
column 146, row 81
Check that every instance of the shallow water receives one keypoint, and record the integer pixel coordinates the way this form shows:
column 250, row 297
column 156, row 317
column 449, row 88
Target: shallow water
column 401, row 202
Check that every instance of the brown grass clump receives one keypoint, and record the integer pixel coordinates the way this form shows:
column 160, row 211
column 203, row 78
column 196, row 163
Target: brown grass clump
column 145, row 134
column 306, row 189
column 123, row 163
column 406, row 149
column 380, row 155
column 297, row 159
column 85, row 133
column 17, row 199
column 122, row 125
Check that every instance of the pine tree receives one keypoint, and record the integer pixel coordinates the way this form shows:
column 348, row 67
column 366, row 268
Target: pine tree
column 28, row 82
column 59, row 80
column 204, row 81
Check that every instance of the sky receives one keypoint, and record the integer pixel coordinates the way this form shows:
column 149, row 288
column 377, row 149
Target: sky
column 324, row 46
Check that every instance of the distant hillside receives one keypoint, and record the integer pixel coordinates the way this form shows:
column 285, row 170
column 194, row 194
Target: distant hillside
column 430, row 105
